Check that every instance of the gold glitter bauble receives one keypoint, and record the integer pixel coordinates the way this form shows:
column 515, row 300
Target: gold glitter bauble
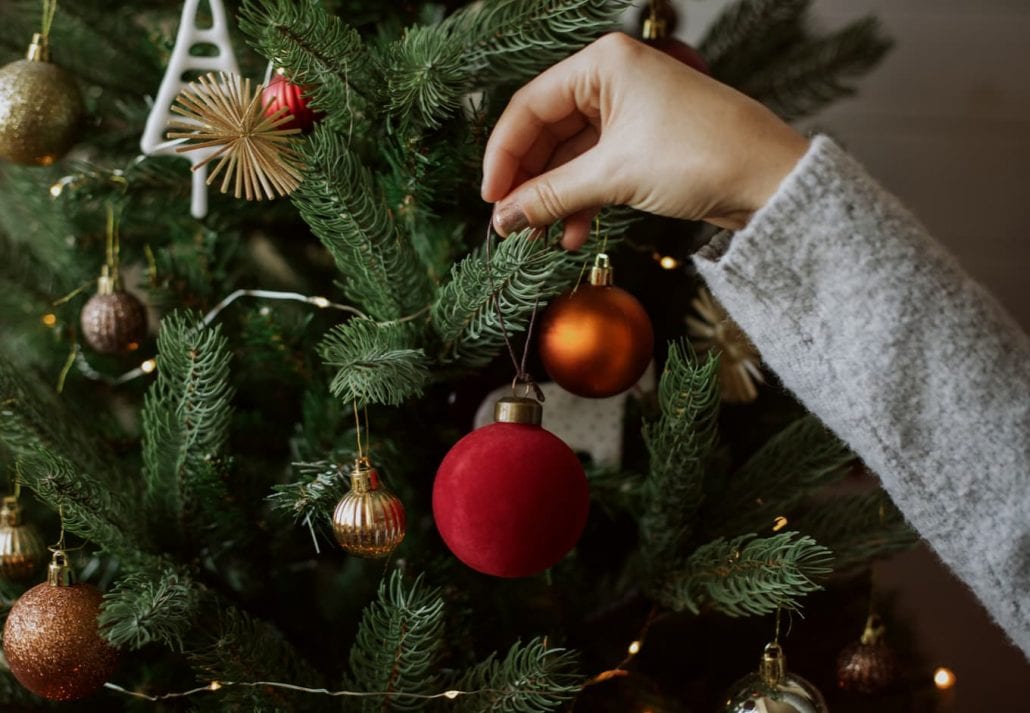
column 868, row 665
column 113, row 321
column 773, row 690
column 369, row 521
column 51, row 641
column 41, row 109
column 22, row 549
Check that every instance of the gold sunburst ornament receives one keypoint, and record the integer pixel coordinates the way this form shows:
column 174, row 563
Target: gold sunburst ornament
column 738, row 359
column 253, row 152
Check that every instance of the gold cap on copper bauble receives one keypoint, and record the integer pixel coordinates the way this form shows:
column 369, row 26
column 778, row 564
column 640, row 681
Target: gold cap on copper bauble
column 369, row 520
column 60, row 573
column 22, row 550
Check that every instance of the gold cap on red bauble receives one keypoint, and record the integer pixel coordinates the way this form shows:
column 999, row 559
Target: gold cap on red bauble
column 41, row 108
column 51, row 640
column 518, row 409
column 596, row 341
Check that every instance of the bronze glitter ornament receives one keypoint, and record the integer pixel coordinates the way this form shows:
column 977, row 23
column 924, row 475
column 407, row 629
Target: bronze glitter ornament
column 369, row 521
column 773, row 690
column 868, row 665
column 51, row 641
column 113, row 321
column 41, row 108
column 22, row 550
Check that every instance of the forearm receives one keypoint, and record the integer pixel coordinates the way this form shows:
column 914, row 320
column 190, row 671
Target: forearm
column 880, row 334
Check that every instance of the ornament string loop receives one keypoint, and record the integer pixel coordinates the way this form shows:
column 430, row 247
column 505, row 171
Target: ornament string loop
column 49, row 10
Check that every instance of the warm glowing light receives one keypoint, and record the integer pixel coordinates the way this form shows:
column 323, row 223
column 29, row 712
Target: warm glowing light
column 451, row 694
column 50, row 319
column 320, row 302
column 779, row 523
column 215, row 685
column 668, row 262
column 634, row 648
column 943, row 678
column 55, row 190
column 148, row 366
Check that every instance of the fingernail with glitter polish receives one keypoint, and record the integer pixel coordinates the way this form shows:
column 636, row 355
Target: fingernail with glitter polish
column 509, row 218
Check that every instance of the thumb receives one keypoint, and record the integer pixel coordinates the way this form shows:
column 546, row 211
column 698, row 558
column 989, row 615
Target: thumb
column 576, row 186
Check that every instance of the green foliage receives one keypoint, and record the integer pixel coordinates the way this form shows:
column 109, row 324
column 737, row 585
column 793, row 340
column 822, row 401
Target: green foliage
column 522, row 272
column 858, row 528
column 531, row 678
column 427, row 77
column 314, row 497
column 791, row 465
column 349, row 214
column 749, row 32
column 148, row 607
column 747, row 575
column 398, row 645
column 680, row 443
column 317, row 50
column 185, row 419
column 376, row 363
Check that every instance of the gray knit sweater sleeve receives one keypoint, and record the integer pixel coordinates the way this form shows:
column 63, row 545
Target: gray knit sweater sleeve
column 876, row 329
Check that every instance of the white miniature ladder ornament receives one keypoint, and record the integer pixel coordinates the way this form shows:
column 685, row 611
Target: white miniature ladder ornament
column 153, row 142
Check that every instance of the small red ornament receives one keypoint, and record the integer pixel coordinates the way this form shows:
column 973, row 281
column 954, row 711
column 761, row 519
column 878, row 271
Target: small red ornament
column 511, row 499
column 596, row 341
column 281, row 92
column 656, row 33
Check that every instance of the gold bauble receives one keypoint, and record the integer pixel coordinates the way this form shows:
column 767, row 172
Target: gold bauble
column 773, row 690
column 113, row 320
column 22, row 549
column 41, row 109
column 369, row 521
column 51, row 640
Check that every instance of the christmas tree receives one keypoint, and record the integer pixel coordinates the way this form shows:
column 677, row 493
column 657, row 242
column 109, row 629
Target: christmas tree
column 340, row 341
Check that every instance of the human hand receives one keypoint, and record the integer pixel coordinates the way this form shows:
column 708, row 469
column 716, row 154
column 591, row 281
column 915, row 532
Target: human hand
column 621, row 123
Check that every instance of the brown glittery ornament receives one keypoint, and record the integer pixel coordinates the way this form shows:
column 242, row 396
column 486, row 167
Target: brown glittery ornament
column 868, row 665
column 113, row 321
column 41, row 108
column 51, row 641
column 22, row 550
column 369, row 520
column 596, row 341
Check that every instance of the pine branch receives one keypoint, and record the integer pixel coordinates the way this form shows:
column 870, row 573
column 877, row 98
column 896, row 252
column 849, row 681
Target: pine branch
column 801, row 458
column 150, row 606
column 749, row 33
column 680, row 443
column 531, row 678
column 747, row 575
column 523, row 272
column 376, row 363
column 317, row 50
column 858, row 528
column 314, row 497
column 398, row 644
column 186, row 416
column 514, row 40
column 811, row 75
column 427, row 76
column 349, row 214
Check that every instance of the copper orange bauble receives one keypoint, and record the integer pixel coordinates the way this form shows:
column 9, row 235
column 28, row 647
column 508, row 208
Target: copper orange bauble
column 596, row 340
column 281, row 92
column 511, row 499
column 51, row 640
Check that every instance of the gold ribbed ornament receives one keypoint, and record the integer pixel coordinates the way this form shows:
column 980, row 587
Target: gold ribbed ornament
column 773, row 690
column 369, row 521
column 41, row 108
column 22, row 549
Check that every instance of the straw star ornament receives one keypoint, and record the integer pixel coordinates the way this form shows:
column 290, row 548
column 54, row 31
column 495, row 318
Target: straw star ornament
column 253, row 154
column 739, row 361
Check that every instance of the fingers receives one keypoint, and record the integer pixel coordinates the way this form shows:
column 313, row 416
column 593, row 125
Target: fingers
column 577, row 229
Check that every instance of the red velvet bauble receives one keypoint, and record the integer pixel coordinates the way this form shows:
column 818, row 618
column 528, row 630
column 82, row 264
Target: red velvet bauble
column 681, row 51
column 281, row 92
column 596, row 341
column 510, row 499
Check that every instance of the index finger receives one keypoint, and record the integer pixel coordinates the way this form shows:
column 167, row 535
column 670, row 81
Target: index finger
column 560, row 101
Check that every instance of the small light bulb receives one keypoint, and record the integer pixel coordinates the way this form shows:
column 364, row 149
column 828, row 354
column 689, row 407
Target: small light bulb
column 215, row 685
column 451, row 695
column 943, row 678
column 634, row 648
column 779, row 523
column 55, row 190
column 668, row 262
column 50, row 319
column 148, row 366
column 320, row 302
